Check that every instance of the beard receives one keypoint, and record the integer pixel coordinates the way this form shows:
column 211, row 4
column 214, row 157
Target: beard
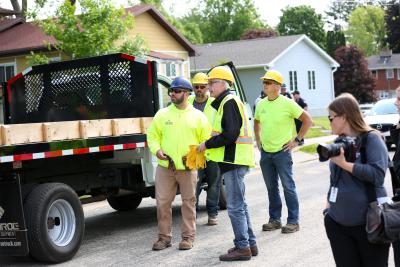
column 178, row 100
column 199, row 94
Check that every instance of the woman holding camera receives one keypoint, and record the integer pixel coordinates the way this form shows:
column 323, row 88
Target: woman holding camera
column 345, row 216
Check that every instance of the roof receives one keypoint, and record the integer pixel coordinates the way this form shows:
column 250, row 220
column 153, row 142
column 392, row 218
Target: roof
column 251, row 53
column 377, row 62
column 158, row 55
column 18, row 36
column 7, row 12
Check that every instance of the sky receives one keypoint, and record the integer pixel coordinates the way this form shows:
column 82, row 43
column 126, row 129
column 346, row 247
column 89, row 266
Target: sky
column 270, row 10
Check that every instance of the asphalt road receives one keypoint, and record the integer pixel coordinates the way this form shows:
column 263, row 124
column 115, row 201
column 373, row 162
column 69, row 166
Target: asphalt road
column 125, row 238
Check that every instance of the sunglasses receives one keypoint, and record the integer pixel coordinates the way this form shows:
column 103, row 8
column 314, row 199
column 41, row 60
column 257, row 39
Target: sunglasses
column 200, row 87
column 330, row 118
column 175, row 91
column 268, row 82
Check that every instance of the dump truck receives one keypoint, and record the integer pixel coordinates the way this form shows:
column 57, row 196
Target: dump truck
column 74, row 132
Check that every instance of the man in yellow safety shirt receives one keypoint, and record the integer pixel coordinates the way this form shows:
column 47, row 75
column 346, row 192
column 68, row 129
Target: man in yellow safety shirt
column 210, row 174
column 232, row 146
column 172, row 131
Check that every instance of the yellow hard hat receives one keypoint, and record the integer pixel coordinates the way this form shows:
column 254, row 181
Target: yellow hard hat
column 200, row 78
column 273, row 75
column 222, row 73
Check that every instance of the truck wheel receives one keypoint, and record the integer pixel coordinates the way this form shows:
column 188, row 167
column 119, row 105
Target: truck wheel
column 55, row 222
column 124, row 202
column 222, row 197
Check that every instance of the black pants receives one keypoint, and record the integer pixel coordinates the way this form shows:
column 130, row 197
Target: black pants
column 396, row 253
column 351, row 247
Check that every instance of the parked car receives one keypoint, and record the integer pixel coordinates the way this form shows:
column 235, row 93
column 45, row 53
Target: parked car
column 366, row 107
column 383, row 116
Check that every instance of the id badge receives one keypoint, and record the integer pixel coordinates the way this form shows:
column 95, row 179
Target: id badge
column 333, row 194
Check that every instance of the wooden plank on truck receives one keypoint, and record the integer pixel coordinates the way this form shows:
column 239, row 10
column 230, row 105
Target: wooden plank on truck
column 145, row 123
column 95, row 128
column 63, row 130
column 22, row 133
column 126, row 126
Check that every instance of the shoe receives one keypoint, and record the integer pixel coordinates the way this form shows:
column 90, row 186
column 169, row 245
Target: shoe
column 290, row 228
column 212, row 220
column 253, row 249
column 185, row 244
column 272, row 225
column 161, row 244
column 239, row 254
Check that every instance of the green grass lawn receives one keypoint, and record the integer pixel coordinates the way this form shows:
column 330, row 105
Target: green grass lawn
column 310, row 149
column 320, row 127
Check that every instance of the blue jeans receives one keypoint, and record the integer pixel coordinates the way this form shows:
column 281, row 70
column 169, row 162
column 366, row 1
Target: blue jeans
column 212, row 176
column 237, row 208
column 272, row 165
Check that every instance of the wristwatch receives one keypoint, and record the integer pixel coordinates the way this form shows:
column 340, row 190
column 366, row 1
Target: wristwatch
column 298, row 140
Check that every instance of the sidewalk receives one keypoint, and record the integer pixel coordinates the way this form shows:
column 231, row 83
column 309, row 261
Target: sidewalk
column 300, row 157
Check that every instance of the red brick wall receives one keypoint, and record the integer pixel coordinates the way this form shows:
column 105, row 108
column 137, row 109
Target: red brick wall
column 384, row 84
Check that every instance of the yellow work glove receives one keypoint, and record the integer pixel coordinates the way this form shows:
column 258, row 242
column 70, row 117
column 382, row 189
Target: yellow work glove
column 195, row 160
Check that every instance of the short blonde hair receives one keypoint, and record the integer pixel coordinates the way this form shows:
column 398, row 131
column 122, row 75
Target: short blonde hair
column 398, row 89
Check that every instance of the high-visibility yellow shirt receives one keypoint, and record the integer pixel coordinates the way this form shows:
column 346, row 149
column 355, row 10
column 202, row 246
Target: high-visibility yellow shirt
column 244, row 148
column 173, row 130
column 276, row 119
column 209, row 111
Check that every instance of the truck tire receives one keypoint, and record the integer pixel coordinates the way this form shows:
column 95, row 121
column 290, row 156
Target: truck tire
column 124, row 202
column 222, row 197
column 55, row 222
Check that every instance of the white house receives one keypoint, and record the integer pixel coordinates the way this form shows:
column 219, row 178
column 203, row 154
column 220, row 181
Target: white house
column 304, row 65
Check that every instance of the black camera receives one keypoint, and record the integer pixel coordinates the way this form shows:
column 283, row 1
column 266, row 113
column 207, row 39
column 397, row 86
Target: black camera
column 348, row 143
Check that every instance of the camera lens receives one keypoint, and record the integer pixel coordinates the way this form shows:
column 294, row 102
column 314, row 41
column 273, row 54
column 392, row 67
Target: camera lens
column 323, row 152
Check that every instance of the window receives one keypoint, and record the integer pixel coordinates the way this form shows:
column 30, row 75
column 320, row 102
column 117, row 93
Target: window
column 398, row 74
column 389, row 74
column 293, row 80
column 7, row 71
column 171, row 69
column 375, row 74
column 311, row 79
column 383, row 94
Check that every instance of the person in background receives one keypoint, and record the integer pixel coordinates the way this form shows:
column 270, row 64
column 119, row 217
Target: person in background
column 396, row 167
column 258, row 99
column 169, row 136
column 300, row 101
column 274, row 132
column 345, row 216
column 284, row 91
column 210, row 174
column 232, row 146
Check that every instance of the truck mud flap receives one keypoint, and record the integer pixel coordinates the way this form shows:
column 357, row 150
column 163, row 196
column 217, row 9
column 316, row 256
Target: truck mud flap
column 13, row 232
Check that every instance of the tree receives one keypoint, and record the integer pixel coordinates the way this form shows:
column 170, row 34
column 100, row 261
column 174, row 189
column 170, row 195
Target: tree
column 258, row 33
column 225, row 20
column 367, row 29
column 334, row 39
column 353, row 75
column 392, row 19
column 339, row 12
column 302, row 20
column 93, row 32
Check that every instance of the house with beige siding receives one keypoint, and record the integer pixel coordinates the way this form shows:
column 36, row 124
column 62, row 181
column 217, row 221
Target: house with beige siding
column 167, row 46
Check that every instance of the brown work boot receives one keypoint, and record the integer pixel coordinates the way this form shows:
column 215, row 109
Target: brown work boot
column 290, row 228
column 161, row 244
column 238, row 254
column 272, row 225
column 185, row 244
column 253, row 249
column 212, row 220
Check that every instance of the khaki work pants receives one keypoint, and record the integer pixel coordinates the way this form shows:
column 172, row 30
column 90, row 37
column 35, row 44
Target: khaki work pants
column 167, row 182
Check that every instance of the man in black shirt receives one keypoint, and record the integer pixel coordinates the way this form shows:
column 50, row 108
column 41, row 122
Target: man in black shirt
column 284, row 92
column 300, row 101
